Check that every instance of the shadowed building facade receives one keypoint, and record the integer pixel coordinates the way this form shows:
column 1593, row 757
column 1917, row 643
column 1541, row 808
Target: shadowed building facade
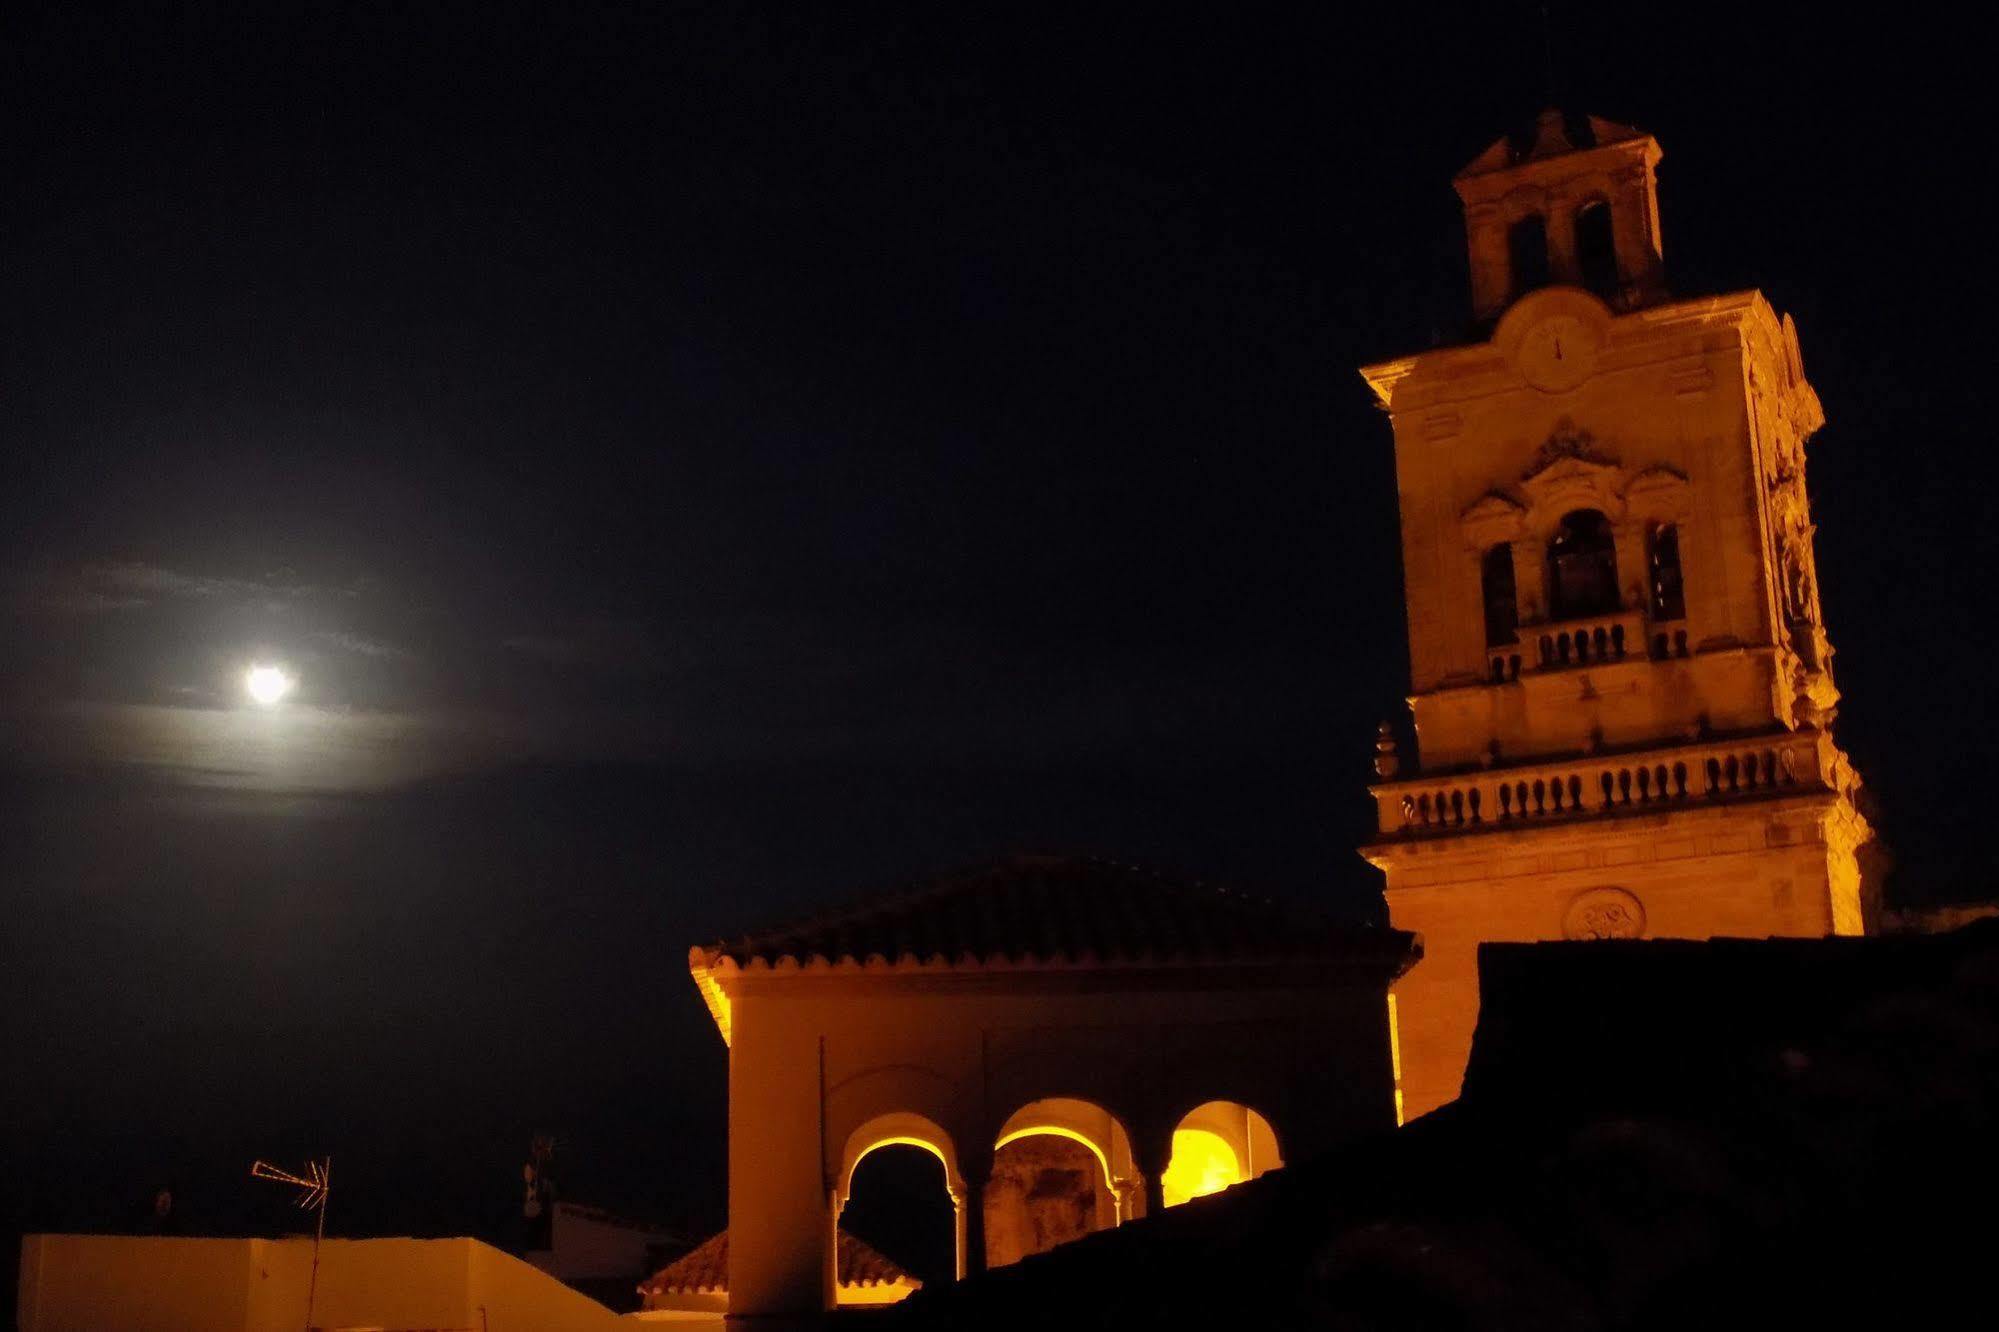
column 1077, row 1042
column 1620, row 676
column 1741, row 1109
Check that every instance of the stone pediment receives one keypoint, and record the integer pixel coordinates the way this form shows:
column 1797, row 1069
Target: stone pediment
column 1568, row 473
column 1568, row 444
column 1492, row 505
column 1491, row 519
column 1571, row 471
column 1660, row 491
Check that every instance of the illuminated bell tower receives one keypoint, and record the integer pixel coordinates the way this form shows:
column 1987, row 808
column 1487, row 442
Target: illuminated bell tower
column 1621, row 683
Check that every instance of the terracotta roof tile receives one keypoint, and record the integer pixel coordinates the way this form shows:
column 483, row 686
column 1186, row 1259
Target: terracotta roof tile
column 861, row 1264
column 702, row 1270
column 705, row 1269
column 1031, row 909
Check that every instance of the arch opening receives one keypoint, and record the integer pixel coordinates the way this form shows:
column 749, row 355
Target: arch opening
column 1596, row 248
column 1527, row 253
column 899, row 1129
column 1502, row 607
column 1215, row 1146
column 898, row 1199
column 1062, row 1169
column 900, row 1204
column 1582, row 566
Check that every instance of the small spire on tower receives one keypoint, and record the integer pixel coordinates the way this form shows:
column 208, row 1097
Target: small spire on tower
column 1551, row 135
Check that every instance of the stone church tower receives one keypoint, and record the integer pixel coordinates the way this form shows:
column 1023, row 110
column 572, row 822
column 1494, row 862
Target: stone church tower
column 1621, row 682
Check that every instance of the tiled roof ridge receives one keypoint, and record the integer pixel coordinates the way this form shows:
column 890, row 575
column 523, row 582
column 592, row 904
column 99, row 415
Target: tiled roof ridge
column 862, row 1264
column 877, row 903
column 1050, row 913
column 704, row 1269
column 876, row 900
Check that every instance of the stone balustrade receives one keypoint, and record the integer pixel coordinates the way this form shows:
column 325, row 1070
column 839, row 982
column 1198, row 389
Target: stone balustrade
column 1593, row 642
column 1598, row 641
column 1603, row 784
column 1669, row 639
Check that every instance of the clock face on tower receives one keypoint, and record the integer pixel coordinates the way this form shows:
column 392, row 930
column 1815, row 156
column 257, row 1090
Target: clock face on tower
column 1557, row 354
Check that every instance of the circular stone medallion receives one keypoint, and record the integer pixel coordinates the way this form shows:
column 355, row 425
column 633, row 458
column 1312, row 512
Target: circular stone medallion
column 1604, row 913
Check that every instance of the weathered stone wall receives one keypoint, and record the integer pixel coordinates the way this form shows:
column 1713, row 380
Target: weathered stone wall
column 1650, row 768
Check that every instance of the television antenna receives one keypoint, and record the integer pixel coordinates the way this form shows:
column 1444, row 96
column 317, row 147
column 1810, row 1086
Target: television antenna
column 314, row 1185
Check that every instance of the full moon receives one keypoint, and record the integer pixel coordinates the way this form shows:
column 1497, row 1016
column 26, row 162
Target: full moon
column 267, row 684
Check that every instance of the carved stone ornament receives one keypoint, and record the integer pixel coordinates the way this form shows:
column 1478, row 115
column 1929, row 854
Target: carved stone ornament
column 1604, row 913
column 1492, row 518
column 1660, row 491
column 1567, row 441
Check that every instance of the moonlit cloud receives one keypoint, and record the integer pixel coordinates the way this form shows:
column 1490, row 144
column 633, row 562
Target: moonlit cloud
column 298, row 749
column 361, row 645
column 120, row 585
column 180, row 636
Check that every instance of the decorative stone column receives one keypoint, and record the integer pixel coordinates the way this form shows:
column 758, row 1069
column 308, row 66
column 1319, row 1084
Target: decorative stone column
column 1530, row 582
column 1152, row 1151
column 1491, row 267
column 1564, row 263
column 1635, row 227
column 968, row 1198
column 1128, row 1191
column 836, row 1203
column 1634, row 574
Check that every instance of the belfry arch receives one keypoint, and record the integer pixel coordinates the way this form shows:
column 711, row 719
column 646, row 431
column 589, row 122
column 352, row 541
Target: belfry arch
column 1582, row 566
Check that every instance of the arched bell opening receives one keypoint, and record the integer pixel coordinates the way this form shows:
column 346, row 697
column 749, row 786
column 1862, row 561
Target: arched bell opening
column 1527, row 254
column 1596, row 248
column 1502, row 606
column 1582, row 567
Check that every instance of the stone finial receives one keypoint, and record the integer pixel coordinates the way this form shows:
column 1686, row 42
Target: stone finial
column 1807, row 710
column 1386, row 762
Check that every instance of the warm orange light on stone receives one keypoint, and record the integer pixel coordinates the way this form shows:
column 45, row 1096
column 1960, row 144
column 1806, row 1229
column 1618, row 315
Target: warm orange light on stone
column 1021, row 1024
column 1057, row 1131
column 1202, row 1164
column 1621, row 680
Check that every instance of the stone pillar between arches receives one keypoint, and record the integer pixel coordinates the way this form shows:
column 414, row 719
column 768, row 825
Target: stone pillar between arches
column 1152, row 1151
column 1563, row 262
column 969, row 1201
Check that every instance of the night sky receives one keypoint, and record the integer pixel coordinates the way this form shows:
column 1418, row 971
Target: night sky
column 702, row 462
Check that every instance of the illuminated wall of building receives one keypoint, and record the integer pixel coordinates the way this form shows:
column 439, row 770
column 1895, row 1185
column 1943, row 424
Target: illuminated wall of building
column 1053, row 1095
column 1620, row 677
column 90, row 1283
